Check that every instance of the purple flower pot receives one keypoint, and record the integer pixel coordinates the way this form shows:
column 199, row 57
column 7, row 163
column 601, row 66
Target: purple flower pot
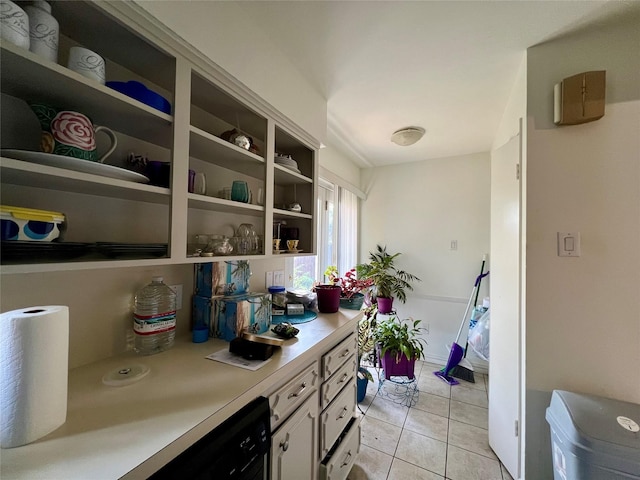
column 401, row 368
column 328, row 298
column 385, row 305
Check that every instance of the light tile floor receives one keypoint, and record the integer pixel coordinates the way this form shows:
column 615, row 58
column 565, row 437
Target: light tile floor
column 443, row 436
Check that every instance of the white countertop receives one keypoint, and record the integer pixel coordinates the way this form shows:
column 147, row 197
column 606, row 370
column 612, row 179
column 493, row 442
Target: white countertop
column 131, row 431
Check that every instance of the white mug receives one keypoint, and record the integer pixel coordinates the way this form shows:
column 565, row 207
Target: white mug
column 43, row 30
column 14, row 24
column 87, row 63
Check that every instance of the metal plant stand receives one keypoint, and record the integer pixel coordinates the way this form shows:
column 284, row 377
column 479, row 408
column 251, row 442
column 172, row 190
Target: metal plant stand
column 400, row 390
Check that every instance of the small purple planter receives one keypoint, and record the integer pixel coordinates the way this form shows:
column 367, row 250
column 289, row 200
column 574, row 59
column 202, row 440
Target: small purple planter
column 328, row 298
column 385, row 305
column 403, row 368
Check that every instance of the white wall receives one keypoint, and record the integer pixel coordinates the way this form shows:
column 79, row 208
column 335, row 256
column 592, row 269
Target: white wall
column 100, row 302
column 340, row 164
column 582, row 314
column 418, row 209
column 515, row 110
column 225, row 34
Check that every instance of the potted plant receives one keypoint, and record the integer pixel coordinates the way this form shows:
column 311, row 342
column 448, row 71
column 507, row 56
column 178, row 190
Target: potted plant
column 388, row 281
column 351, row 287
column 328, row 295
column 399, row 346
column 366, row 343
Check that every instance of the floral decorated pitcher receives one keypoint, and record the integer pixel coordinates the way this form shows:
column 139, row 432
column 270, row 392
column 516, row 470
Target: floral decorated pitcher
column 71, row 134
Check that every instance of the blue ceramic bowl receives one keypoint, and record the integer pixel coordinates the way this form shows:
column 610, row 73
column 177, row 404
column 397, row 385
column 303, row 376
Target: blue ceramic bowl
column 138, row 91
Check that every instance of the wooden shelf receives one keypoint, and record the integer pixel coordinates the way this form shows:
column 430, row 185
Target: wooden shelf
column 214, row 150
column 81, row 264
column 283, row 176
column 29, row 174
column 221, row 205
column 279, row 214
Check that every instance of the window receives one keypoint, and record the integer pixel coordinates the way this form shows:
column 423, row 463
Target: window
column 337, row 215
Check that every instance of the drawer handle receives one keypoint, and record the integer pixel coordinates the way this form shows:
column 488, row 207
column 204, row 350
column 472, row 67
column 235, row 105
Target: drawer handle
column 344, row 412
column 344, row 377
column 347, row 459
column 345, row 353
column 299, row 392
column 284, row 445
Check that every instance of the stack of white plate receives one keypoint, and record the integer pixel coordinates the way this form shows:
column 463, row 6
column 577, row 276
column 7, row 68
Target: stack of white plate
column 287, row 162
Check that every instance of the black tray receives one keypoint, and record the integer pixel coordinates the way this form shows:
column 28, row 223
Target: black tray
column 139, row 250
column 19, row 250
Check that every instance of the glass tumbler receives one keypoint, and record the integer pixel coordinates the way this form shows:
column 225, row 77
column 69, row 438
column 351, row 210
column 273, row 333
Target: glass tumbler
column 240, row 191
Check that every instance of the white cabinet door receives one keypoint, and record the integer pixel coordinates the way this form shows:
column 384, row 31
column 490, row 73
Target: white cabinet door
column 505, row 359
column 294, row 445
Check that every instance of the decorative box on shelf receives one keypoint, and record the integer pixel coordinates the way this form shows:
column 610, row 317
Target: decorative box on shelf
column 222, row 278
column 227, row 316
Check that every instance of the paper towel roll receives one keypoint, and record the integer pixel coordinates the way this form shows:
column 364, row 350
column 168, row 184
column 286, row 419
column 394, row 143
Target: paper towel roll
column 34, row 360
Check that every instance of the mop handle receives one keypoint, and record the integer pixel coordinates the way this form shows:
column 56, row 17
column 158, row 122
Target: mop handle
column 466, row 312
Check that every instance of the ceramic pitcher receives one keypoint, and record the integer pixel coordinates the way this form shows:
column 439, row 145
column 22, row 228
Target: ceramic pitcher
column 71, row 134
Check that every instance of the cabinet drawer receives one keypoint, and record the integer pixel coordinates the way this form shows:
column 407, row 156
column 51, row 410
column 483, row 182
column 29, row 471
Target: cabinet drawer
column 338, row 355
column 338, row 464
column 291, row 395
column 341, row 378
column 336, row 417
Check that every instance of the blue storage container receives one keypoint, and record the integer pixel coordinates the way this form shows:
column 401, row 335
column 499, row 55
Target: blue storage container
column 228, row 316
column 594, row 438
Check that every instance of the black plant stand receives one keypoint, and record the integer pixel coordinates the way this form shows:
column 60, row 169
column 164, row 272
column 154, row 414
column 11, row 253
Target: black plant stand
column 400, row 390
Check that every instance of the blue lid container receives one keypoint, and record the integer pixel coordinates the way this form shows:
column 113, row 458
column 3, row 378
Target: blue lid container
column 141, row 93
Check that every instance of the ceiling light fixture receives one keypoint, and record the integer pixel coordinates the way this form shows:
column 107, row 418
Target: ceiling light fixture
column 407, row 136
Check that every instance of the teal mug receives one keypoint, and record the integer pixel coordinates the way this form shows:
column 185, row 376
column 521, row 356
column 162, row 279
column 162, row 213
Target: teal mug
column 71, row 134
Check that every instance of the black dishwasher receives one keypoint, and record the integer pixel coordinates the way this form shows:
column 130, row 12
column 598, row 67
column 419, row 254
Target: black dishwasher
column 237, row 449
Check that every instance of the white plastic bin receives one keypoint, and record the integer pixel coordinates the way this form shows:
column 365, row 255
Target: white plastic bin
column 593, row 438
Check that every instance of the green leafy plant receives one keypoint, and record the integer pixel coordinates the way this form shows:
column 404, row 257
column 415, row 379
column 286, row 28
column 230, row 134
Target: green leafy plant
column 366, row 339
column 400, row 338
column 366, row 329
column 388, row 281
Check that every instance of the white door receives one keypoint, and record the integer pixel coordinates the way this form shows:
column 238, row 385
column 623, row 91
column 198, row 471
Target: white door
column 504, row 357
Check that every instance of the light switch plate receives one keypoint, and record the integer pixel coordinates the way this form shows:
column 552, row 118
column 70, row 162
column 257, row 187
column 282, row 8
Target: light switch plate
column 568, row 244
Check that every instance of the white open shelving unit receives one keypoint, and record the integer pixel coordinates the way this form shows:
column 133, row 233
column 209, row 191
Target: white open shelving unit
column 206, row 102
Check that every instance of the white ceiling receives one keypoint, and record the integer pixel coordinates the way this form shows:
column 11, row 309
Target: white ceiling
column 447, row 66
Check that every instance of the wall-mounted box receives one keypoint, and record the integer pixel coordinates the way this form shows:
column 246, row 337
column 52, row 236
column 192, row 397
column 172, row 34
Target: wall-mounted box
column 579, row 98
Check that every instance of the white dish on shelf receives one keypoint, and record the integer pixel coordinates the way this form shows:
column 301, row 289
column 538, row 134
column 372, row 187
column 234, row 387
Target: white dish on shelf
column 293, row 169
column 75, row 164
column 293, row 251
column 284, row 163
